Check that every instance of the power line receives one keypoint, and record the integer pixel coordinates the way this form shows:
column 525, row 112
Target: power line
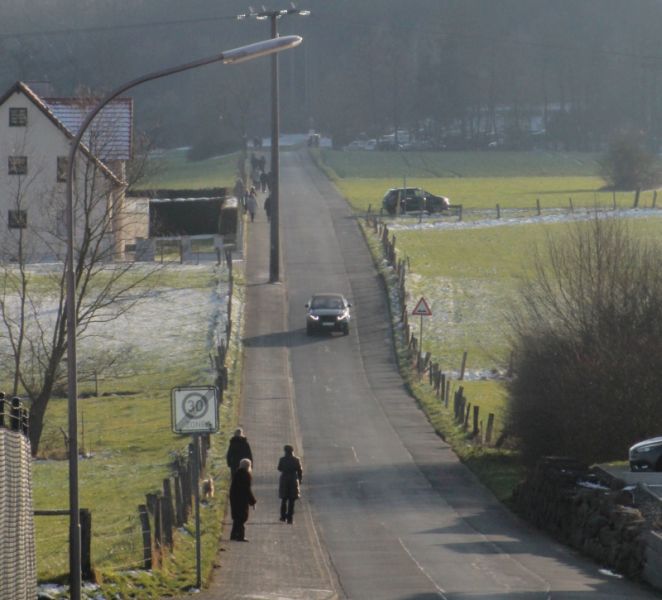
column 109, row 28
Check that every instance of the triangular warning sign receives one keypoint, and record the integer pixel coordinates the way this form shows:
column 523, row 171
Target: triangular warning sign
column 422, row 309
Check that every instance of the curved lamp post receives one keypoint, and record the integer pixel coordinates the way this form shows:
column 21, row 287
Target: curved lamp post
column 236, row 55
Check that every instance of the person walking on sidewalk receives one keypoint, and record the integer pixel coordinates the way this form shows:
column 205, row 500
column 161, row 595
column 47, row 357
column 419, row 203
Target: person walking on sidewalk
column 241, row 499
column 291, row 474
column 267, row 207
column 237, row 449
column 251, row 203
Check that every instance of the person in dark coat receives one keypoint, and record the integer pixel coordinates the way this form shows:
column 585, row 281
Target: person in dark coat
column 241, row 499
column 291, row 474
column 237, row 449
column 267, row 207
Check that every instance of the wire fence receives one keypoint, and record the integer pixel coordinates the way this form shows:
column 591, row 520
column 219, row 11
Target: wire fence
column 18, row 573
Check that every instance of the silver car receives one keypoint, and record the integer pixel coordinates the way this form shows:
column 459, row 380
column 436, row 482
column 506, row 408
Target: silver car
column 327, row 312
column 646, row 455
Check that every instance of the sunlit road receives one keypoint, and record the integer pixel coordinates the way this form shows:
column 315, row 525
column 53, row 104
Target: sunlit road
column 397, row 514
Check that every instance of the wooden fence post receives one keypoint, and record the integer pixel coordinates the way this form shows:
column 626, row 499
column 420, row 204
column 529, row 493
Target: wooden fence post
column 654, row 199
column 636, row 197
column 465, row 426
column 168, row 513
column 475, row 427
column 572, row 208
column 464, row 364
column 147, row 537
column 498, row 209
column 179, row 501
column 490, row 428
column 86, row 543
column 447, row 392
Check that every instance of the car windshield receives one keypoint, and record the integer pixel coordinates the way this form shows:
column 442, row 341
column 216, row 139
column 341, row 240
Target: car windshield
column 326, row 302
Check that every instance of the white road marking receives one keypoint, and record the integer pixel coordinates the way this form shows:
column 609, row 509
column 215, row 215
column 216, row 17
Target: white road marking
column 440, row 590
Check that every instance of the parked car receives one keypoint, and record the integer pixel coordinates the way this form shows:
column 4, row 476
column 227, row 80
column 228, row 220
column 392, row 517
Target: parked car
column 327, row 312
column 646, row 455
column 413, row 199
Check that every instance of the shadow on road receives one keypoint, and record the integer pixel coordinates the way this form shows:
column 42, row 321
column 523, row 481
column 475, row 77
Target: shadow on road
column 288, row 339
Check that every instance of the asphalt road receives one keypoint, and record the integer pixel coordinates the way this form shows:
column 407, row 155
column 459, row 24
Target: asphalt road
column 397, row 514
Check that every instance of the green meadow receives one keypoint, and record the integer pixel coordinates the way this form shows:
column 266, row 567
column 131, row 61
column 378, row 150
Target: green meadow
column 477, row 180
column 129, row 447
column 470, row 272
column 170, row 169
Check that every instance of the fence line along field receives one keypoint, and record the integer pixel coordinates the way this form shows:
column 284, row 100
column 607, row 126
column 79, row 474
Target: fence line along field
column 470, row 270
column 126, row 440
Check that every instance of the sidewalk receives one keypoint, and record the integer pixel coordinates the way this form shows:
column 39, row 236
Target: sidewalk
column 280, row 562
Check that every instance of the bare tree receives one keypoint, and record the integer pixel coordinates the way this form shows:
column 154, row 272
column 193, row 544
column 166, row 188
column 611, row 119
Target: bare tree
column 32, row 298
column 588, row 366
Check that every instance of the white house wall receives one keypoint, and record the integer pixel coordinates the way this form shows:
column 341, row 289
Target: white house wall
column 42, row 142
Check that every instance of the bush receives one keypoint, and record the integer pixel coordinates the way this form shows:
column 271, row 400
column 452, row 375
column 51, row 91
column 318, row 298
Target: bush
column 588, row 357
column 627, row 165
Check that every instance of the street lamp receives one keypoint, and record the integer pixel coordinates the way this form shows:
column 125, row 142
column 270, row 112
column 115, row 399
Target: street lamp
column 274, row 246
column 236, row 55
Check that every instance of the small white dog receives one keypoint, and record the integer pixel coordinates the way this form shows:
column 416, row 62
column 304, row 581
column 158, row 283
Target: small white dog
column 207, row 488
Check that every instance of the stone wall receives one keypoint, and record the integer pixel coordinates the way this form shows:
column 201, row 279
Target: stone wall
column 595, row 513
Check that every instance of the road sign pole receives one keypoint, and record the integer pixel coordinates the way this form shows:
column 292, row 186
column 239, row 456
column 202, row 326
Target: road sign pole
column 420, row 347
column 196, row 493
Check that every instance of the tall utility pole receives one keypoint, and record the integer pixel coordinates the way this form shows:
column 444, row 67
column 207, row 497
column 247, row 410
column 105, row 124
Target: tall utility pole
column 274, row 183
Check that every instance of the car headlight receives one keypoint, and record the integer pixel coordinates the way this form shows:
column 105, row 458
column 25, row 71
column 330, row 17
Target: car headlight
column 644, row 449
column 313, row 317
column 343, row 316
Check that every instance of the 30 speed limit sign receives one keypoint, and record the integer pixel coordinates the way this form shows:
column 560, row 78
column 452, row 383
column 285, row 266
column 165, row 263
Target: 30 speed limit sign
column 194, row 410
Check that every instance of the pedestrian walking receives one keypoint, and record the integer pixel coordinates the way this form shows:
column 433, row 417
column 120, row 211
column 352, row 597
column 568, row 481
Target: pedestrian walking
column 238, row 448
column 291, row 474
column 251, row 203
column 267, row 207
column 241, row 499
column 263, row 181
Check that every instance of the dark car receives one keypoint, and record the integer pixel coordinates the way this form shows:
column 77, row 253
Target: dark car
column 646, row 455
column 413, row 200
column 327, row 312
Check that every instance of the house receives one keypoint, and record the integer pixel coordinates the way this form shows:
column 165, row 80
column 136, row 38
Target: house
column 35, row 136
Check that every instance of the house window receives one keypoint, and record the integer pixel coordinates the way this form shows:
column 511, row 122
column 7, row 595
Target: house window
column 18, row 117
column 18, row 219
column 62, row 167
column 18, row 165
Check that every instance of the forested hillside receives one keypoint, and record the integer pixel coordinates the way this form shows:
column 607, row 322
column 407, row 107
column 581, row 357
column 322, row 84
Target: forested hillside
column 590, row 68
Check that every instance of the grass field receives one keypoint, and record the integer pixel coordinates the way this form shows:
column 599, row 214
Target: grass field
column 477, row 180
column 470, row 272
column 170, row 169
column 125, row 432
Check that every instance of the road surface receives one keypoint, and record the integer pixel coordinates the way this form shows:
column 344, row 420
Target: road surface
column 396, row 513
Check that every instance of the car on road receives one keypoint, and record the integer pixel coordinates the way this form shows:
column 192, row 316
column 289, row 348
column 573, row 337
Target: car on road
column 413, row 200
column 327, row 312
column 646, row 455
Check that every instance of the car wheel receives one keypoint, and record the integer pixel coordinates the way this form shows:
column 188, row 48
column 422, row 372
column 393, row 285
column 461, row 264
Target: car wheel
column 658, row 464
column 345, row 330
column 309, row 330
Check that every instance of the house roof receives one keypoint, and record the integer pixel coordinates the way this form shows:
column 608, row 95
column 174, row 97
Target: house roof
column 22, row 88
column 111, row 129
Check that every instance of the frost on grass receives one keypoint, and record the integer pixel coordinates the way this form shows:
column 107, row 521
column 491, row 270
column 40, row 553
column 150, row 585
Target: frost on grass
column 168, row 325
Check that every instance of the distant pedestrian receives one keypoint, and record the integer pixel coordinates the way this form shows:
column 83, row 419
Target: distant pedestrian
column 237, row 449
column 239, row 188
column 251, row 203
column 267, row 207
column 291, row 474
column 263, row 181
column 241, row 499
column 262, row 163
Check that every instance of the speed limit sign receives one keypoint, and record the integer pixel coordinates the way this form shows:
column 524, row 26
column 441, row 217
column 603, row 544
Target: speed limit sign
column 194, row 410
